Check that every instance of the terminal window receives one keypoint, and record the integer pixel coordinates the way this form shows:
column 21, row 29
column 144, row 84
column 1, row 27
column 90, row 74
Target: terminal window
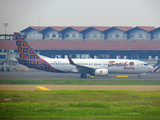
column 47, row 35
column 73, row 35
column 102, row 35
column 110, row 36
column 67, row 35
column 2, row 56
column 117, row 35
column 124, row 35
column 80, row 35
column 87, row 35
column 148, row 36
column 60, row 35
column 155, row 35
column 140, row 35
column 53, row 35
column 95, row 35
column 132, row 35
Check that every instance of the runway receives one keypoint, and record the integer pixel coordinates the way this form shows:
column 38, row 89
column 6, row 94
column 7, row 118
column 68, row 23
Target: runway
column 38, row 75
column 80, row 87
column 32, row 75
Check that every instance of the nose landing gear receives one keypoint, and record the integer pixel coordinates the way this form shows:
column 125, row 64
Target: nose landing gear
column 139, row 76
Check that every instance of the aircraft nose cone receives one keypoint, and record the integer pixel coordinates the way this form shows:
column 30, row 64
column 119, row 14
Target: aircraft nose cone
column 151, row 68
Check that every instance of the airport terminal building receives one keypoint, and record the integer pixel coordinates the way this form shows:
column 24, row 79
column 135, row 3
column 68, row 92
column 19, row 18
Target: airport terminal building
column 118, row 42
column 95, row 33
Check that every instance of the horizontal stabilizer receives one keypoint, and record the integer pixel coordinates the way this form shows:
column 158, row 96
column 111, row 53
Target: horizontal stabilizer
column 22, row 60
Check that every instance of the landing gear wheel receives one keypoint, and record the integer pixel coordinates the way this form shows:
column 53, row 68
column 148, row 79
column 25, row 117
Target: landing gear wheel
column 83, row 75
column 139, row 76
column 8, row 69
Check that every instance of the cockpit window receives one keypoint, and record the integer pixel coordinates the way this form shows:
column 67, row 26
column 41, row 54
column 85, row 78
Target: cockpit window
column 145, row 64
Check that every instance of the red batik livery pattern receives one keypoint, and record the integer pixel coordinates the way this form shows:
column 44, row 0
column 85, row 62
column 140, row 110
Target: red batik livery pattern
column 29, row 57
column 25, row 50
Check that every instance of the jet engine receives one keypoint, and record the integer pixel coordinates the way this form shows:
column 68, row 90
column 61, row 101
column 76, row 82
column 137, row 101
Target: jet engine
column 101, row 72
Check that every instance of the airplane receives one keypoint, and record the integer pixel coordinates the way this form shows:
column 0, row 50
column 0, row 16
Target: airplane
column 94, row 67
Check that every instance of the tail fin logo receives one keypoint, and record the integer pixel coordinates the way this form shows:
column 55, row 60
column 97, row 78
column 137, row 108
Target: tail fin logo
column 25, row 50
column 100, row 72
column 28, row 57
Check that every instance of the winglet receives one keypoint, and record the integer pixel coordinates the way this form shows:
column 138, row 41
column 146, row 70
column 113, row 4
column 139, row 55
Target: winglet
column 70, row 60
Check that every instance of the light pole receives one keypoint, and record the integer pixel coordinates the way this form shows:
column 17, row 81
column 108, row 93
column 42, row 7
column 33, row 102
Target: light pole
column 5, row 25
column 38, row 39
column 38, row 31
column 38, row 47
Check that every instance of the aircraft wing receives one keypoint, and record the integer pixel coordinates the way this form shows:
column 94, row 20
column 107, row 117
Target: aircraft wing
column 81, row 69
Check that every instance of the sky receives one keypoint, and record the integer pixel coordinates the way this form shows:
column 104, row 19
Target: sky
column 21, row 14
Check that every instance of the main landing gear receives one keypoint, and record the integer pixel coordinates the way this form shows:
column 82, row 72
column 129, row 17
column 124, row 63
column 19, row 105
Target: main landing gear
column 83, row 75
column 139, row 76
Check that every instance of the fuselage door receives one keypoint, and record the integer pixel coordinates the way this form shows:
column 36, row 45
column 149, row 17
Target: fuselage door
column 138, row 66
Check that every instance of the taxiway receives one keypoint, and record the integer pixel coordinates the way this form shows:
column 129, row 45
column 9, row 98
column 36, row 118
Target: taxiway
column 50, row 75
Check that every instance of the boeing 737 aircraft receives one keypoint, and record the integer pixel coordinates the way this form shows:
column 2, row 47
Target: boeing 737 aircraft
column 94, row 67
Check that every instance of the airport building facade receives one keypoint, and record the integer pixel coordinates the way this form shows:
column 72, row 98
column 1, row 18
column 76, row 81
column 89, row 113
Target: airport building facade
column 95, row 33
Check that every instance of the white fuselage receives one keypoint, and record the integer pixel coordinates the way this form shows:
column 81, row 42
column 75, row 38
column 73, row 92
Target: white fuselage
column 113, row 65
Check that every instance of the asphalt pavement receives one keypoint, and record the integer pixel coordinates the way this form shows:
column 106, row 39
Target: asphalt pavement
column 32, row 75
column 51, row 75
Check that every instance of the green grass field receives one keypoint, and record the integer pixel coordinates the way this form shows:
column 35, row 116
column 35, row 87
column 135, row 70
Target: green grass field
column 81, row 82
column 80, row 104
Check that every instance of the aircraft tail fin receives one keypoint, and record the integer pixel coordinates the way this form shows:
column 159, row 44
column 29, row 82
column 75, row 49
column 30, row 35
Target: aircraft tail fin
column 25, row 50
column 156, row 69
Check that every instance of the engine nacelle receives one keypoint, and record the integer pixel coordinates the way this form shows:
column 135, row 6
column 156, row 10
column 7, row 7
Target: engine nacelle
column 101, row 72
